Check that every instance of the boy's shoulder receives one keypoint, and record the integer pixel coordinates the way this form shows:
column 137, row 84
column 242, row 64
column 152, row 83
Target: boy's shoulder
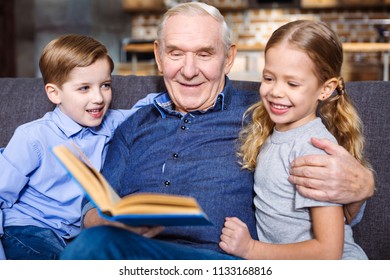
column 34, row 130
column 45, row 120
column 52, row 121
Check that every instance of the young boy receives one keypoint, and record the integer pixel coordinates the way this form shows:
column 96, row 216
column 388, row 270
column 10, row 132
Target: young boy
column 40, row 203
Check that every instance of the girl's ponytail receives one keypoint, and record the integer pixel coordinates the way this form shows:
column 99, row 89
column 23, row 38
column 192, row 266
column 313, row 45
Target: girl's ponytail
column 342, row 120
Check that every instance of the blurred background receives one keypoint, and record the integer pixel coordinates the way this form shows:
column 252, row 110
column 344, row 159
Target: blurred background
column 128, row 28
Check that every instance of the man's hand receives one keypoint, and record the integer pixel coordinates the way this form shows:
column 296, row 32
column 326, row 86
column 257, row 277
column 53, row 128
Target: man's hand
column 336, row 177
column 92, row 218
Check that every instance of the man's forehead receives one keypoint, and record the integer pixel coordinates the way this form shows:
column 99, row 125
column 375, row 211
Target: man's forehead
column 203, row 32
column 191, row 23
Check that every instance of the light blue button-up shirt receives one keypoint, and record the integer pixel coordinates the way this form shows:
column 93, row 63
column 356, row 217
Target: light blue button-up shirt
column 34, row 188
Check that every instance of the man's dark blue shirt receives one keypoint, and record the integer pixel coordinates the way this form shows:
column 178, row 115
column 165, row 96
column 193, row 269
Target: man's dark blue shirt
column 194, row 154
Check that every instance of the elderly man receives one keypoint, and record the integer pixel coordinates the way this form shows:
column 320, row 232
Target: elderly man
column 185, row 143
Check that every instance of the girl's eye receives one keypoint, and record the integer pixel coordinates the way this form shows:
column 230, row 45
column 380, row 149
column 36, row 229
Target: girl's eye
column 292, row 84
column 267, row 79
column 85, row 88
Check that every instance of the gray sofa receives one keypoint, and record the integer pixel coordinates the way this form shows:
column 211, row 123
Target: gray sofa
column 24, row 99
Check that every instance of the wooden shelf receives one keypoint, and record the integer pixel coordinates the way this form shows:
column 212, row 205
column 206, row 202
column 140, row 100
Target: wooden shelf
column 136, row 6
column 366, row 47
column 139, row 47
column 383, row 48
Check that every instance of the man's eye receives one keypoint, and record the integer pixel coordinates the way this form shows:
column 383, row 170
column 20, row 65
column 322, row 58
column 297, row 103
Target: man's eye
column 204, row 55
column 176, row 54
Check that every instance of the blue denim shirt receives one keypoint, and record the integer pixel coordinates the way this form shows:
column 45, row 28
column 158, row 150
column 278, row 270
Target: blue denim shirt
column 161, row 150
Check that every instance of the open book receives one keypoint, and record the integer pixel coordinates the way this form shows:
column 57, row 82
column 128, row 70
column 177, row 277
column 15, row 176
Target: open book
column 139, row 209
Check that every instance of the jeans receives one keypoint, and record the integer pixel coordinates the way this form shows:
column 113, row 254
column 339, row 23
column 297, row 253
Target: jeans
column 31, row 243
column 108, row 243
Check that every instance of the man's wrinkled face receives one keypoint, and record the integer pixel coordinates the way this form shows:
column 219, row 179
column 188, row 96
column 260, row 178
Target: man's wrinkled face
column 193, row 61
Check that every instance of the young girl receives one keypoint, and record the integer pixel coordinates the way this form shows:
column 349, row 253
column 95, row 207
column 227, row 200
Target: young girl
column 302, row 70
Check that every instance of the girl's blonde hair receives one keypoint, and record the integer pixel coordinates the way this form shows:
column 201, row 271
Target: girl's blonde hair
column 337, row 112
column 68, row 51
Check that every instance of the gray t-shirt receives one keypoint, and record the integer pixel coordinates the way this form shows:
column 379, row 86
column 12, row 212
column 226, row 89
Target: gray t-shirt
column 283, row 214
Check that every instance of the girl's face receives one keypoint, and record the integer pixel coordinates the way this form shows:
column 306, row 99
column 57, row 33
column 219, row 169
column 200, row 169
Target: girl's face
column 86, row 95
column 290, row 90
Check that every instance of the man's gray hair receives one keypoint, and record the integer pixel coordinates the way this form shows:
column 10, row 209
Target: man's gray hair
column 197, row 8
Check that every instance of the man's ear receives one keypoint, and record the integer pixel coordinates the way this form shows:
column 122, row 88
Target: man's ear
column 230, row 57
column 328, row 88
column 156, row 49
column 53, row 93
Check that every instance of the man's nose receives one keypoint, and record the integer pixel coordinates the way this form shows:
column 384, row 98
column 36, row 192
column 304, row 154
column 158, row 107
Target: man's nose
column 190, row 68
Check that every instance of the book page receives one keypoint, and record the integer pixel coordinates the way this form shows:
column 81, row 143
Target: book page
column 156, row 203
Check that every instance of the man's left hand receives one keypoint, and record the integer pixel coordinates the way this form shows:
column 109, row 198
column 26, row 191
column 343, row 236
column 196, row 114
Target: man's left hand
column 334, row 177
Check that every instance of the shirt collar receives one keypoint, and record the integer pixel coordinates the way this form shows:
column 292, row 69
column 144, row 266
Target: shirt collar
column 70, row 128
column 164, row 103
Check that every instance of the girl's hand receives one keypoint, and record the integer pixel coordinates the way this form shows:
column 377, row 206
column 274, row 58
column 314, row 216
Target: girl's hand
column 235, row 238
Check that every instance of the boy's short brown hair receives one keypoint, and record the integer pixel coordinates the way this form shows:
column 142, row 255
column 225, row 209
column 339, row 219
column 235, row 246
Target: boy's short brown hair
column 68, row 51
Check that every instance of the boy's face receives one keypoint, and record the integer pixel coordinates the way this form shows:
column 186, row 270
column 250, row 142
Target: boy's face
column 86, row 95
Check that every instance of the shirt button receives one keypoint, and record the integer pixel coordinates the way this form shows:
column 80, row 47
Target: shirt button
column 183, row 127
column 186, row 120
column 175, row 155
column 167, row 183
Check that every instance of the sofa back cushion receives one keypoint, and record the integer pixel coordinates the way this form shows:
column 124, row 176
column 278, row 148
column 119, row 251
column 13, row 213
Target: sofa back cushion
column 372, row 100
column 24, row 99
column 21, row 100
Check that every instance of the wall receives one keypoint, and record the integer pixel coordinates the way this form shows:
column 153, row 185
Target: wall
column 254, row 26
column 107, row 21
column 39, row 21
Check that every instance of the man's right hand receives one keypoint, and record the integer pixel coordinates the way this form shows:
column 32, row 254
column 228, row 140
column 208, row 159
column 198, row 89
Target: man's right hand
column 92, row 218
